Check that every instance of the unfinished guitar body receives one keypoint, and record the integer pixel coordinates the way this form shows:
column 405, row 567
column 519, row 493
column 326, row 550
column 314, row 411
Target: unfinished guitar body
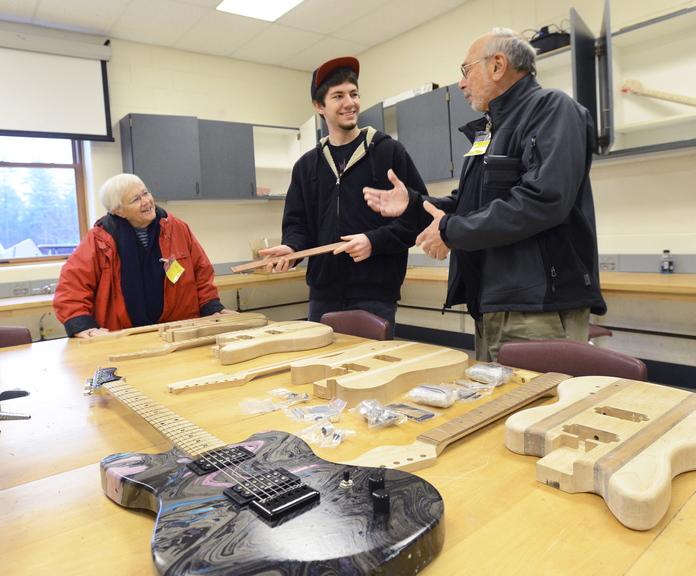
column 210, row 326
column 288, row 336
column 379, row 370
column 622, row 439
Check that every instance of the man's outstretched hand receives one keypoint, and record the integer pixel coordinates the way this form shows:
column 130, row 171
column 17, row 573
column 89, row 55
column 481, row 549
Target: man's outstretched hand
column 388, row 202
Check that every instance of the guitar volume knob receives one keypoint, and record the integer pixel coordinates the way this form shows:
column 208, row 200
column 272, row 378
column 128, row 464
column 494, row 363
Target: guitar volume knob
column 380, row 501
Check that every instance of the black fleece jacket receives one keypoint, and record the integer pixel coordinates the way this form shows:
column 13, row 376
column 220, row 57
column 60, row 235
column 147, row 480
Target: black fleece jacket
column 320, row 207
column 528, row 224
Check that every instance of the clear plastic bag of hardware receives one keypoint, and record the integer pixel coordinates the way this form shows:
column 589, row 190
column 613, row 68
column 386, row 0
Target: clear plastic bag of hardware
column 331, row 412
column 438, row 395
column 378, row 416
column 325, row 435
column 490, row 373
column 289, row 398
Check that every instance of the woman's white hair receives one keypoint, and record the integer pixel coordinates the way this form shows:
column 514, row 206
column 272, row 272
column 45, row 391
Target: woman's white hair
column 115, row 188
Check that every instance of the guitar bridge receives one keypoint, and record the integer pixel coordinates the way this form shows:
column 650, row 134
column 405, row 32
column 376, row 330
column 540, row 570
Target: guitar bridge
column 219, row 460
column 272, row 493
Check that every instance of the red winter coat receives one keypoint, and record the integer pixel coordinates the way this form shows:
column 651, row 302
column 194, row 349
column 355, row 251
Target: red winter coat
column 89, row 286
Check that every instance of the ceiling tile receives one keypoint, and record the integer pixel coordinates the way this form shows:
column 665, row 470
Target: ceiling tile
column 276, row 44
column 220, row 33
column 160, row 22
column 325, row 49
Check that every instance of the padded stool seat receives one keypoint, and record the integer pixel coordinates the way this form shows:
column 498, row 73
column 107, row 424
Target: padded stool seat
column 358, row 323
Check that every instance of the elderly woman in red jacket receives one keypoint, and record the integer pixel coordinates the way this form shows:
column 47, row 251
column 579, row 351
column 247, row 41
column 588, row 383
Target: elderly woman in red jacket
column 138, row 265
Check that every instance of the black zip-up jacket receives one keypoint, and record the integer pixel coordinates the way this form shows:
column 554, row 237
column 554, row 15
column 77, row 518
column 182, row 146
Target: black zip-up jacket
column 320, row 207
column 530, row 229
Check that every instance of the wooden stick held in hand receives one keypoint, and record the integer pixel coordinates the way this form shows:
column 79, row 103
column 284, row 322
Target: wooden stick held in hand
column 294, row 256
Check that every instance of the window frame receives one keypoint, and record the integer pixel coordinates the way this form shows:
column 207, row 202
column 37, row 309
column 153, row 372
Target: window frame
column 78, row 165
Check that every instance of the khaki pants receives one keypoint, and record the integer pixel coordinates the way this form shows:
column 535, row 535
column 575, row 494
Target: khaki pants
column 499, row 327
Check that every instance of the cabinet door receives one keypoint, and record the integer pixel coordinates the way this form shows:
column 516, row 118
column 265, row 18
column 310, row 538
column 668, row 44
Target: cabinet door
column 582, row 44
column 227, row 159
column 163, row 151
column 373, row 116
column 423, row 126
column 461, row 113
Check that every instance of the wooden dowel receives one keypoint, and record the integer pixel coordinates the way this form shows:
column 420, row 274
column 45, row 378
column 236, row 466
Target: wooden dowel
column 294, row 256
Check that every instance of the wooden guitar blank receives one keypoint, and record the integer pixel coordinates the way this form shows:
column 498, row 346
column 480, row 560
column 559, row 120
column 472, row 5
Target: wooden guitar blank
column 294, row 256
column 221, row 380
column 168, row 348
column 166, row 326
column 635, row 87
column 622, row 439
column 213, row 325
column 379, row 370
column 288, row 336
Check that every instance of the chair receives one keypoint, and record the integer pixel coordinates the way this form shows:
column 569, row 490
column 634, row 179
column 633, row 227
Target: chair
column 571, row 357
column 14, row 336
column 358, row 323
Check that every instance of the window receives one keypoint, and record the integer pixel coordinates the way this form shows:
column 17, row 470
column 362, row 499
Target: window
column 42, row 208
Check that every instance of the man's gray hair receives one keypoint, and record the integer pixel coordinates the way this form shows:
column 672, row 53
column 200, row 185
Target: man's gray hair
column 520, row 53
column 115, row 188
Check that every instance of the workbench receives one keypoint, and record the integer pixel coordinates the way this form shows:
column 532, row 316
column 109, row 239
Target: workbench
column 498, row 518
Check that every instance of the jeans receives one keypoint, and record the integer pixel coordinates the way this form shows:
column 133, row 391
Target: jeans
column 381, row 308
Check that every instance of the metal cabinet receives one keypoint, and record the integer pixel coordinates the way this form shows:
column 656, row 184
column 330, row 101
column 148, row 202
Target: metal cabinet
column 164, row 152
column 423, row 125
column 227, row 160
column 185, row 158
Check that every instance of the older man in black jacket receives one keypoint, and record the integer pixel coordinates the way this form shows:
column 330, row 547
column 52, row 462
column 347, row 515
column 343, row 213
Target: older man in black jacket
column 521, row 225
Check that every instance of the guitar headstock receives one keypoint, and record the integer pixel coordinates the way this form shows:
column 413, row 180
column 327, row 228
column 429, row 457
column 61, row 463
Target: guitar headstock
column 101, row 376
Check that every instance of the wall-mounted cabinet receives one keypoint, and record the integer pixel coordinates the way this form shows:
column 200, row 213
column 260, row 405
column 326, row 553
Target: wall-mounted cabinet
column 183, row 157
column 428, row 126
column 654, row 95
column 164, row 152
column 637, row 82
column 227, row 160
column 423, row 126
column 276, row 150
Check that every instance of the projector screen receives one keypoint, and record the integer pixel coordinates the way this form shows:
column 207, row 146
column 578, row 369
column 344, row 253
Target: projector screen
column 53, row 96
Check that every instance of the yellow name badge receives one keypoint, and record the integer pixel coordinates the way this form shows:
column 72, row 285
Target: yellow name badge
column 481, row 142
column 173, row 270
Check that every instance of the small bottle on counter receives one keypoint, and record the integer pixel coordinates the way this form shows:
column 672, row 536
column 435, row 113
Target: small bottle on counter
column 666, row 263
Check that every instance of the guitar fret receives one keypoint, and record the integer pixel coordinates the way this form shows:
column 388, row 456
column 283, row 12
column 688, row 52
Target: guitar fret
column 188, row 437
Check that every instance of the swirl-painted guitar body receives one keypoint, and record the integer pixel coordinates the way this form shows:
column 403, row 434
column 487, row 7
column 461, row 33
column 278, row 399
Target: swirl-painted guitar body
column 199, row 530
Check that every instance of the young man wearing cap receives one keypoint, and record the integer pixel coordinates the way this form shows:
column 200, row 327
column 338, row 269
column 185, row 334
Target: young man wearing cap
column 325, row 204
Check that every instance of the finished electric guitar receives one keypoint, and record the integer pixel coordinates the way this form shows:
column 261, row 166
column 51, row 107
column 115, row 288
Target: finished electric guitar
column 268, row 505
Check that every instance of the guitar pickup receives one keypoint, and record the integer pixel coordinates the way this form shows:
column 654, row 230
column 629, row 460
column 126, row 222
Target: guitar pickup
column 220, row 459
column 272, row 493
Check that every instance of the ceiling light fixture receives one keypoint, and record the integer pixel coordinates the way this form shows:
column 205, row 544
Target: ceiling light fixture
column 269, row 10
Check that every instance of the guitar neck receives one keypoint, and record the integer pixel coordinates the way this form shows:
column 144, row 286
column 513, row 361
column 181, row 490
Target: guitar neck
column 326, row 248
column 188, row 437
column 469, row 422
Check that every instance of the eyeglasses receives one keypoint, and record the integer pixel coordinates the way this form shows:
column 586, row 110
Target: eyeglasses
column 138, row 198
column 464, row 67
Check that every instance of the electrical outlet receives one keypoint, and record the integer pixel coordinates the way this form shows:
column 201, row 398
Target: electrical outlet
column 21, row 289
column 610, row 262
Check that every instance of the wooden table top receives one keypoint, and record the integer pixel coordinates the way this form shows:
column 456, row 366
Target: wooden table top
column 498, row 518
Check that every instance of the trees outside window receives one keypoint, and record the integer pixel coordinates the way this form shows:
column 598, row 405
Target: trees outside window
column 42, row 207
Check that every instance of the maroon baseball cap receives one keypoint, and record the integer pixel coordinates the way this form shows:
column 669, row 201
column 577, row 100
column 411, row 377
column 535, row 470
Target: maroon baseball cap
column 326, row 68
